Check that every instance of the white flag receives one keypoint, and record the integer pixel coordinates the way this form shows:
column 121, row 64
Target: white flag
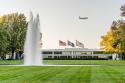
column 79, row 44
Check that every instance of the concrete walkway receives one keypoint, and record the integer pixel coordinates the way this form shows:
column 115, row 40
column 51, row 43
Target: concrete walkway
column 51, row 65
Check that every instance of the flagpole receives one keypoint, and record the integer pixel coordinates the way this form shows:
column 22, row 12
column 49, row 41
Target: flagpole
column 67, row 44
column 58, row 44
column 59, row 47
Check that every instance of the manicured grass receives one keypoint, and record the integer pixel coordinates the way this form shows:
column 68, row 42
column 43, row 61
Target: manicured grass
column 79, row 74
column 109, row 72
column 70, row 62
column 10, row 62
column 86, row 62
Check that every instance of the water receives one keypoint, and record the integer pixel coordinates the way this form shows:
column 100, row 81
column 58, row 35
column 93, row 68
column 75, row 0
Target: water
column 32, row 53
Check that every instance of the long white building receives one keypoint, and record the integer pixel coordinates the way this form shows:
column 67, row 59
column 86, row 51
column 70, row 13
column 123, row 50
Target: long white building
column 75, row 53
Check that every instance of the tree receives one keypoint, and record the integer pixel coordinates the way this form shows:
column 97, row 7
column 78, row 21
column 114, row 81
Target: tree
column 123, row 10
column 15, row 25
column 114, row 40
column 120, row 39
column 3, row 41
column 106, row 42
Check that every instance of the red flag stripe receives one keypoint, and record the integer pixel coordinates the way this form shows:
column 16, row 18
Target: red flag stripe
column 61, row 43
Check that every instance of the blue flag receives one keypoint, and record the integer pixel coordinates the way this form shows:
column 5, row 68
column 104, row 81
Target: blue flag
column 70, row 44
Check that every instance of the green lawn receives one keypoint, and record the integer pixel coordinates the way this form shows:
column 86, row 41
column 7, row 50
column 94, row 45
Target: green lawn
column 79, row 74
column 71, row 62
column 86, row 62
column 10, row 62
column 109, row 72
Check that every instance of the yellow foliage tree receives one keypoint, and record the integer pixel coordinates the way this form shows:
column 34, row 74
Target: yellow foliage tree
column 106, row 42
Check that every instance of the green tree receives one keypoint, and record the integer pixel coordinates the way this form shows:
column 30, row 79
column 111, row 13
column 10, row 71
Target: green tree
column 3, row 41
column 16, row 25
column 119, row 38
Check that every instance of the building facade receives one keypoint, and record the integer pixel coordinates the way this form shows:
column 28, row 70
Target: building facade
column 75, row 54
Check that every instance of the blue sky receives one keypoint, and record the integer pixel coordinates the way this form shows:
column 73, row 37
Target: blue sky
column 59, row 18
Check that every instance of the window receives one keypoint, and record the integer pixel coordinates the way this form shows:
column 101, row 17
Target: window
column 57, row 52
column 48, row 52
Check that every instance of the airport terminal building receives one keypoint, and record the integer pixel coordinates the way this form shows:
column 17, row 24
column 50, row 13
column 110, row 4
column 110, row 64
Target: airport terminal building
column 75, row 54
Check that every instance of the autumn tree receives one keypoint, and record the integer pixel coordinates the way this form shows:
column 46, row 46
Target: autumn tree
column 114, row 40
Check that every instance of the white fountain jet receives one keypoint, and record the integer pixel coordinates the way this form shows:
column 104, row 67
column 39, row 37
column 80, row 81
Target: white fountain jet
column 32, row 54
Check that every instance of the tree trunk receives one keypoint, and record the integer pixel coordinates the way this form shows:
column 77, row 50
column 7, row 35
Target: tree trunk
column 13, row 50
column 20, row 54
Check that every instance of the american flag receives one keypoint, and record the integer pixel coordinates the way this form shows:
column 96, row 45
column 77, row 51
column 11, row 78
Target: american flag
column 61, row 43
column 70, row 43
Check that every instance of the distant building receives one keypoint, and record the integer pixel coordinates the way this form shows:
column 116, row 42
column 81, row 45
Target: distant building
column 75, row 53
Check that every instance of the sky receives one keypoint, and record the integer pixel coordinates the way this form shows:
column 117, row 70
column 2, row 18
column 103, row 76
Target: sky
column 59, row 19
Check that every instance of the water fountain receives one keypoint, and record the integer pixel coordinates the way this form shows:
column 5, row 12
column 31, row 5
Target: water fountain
column 32, row 54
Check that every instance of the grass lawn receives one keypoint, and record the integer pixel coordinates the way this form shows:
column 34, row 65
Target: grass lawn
column 70, row 62
column 86, row 62
column 110, row 72
column 79, row 74
column 11, row 62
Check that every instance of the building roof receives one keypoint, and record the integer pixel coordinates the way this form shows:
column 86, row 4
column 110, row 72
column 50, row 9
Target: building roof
column 73, row 49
